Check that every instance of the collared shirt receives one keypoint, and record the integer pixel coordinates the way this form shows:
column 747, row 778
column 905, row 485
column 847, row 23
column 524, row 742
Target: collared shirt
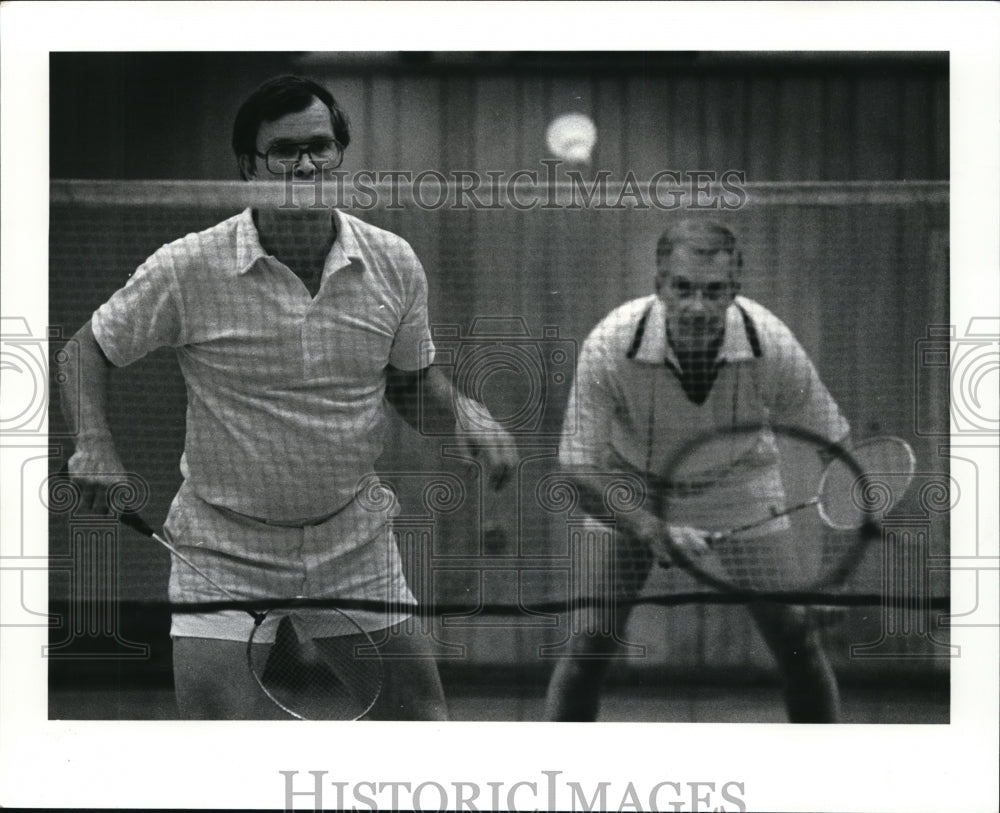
column 285, row 390
column 629, row 412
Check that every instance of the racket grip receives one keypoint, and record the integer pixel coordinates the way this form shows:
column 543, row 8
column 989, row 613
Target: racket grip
column 132, row 520
column 710, row 538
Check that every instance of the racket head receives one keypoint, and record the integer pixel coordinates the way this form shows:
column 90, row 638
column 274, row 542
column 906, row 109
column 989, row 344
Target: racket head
column 779, row 547
column 847, row 498
column 334, row 677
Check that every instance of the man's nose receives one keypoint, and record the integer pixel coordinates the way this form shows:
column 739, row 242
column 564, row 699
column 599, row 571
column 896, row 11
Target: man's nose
column 696, row 302
column 304, row 167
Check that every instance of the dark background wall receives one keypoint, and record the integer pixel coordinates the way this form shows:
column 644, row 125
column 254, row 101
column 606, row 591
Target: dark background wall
column 810, row 116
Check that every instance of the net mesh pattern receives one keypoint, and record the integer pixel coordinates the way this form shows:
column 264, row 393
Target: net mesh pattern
column 857, row 273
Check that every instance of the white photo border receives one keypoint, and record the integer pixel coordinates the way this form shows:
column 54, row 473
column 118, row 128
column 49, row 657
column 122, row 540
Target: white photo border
column 176, row 765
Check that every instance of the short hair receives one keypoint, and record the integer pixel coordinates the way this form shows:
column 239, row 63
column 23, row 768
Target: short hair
column 278, row 97
column 694, row 229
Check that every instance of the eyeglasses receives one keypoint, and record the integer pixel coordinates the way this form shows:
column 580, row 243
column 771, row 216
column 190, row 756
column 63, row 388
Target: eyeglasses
column 282, row 157
column 711, row 291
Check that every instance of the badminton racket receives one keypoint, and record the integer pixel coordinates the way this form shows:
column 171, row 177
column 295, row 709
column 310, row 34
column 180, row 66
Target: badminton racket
column 341, row 683
column 815, row 533
column 290, row 673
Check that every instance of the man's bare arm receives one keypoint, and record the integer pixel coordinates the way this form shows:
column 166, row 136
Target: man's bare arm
column 428, row 396
column 95, row 464
column 642, row 524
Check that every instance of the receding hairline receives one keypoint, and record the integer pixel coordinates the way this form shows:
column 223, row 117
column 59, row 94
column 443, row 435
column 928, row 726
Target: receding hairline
column 690, row 230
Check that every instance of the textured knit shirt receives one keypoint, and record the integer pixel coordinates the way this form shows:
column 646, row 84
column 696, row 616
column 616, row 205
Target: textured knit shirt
column 285, row 390
column 628, row 411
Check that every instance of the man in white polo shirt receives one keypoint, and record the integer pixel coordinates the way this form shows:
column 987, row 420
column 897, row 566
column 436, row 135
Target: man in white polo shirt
column 692, row 359
column 290, row 327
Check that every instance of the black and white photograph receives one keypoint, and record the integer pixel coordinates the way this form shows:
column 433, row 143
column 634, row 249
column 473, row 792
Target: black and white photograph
column 549, row 421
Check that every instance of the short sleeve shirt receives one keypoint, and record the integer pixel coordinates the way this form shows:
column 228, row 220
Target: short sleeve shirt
column 629, row 412
column 285, row 390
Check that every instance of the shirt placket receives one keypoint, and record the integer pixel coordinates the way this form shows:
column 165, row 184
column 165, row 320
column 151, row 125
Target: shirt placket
column 303, row 307
column 309, row 337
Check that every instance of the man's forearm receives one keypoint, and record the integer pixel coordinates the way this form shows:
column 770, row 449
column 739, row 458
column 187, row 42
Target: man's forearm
column 431, row 404
column 425, row 399
column 83, row 390
column 640, row 523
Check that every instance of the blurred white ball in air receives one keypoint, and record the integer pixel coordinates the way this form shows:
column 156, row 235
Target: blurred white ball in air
column 572, row 137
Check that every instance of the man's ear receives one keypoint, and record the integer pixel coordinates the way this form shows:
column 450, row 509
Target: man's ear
column 738, row 273
column 736, row 278
column 662, row 268
column 660, row 278
column 248, row 169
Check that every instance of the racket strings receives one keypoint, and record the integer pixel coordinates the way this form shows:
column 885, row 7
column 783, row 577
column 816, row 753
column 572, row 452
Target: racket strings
column 778, row 562
column 867, row 484
column 807, row 529
column 331, row 678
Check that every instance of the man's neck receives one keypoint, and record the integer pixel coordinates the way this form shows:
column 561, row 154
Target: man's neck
column 700, row 354
column 300, row 240
column 698, row 366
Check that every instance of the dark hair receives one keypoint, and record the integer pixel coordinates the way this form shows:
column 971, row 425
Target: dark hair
column 276, row 98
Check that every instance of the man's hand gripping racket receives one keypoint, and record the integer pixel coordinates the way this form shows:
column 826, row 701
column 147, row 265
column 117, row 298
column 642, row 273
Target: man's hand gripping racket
column 855, row 488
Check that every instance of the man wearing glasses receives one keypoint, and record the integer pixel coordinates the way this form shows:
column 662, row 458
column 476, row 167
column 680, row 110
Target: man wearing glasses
column 291, row 325
column 694, row 358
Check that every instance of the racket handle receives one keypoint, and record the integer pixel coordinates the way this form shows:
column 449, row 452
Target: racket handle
column 710, row 539
column 133, row 520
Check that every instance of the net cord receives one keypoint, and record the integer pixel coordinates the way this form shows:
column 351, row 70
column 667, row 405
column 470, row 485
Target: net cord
column 187, row 193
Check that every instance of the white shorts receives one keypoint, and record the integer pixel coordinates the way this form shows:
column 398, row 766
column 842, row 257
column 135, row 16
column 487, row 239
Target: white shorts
column 352, row 556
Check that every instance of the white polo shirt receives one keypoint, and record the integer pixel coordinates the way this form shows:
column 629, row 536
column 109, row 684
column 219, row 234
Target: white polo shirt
column 285, row 391
column 628, row 411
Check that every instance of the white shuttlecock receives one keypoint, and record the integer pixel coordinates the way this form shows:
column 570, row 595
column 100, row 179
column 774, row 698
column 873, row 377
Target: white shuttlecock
column 572, row 137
